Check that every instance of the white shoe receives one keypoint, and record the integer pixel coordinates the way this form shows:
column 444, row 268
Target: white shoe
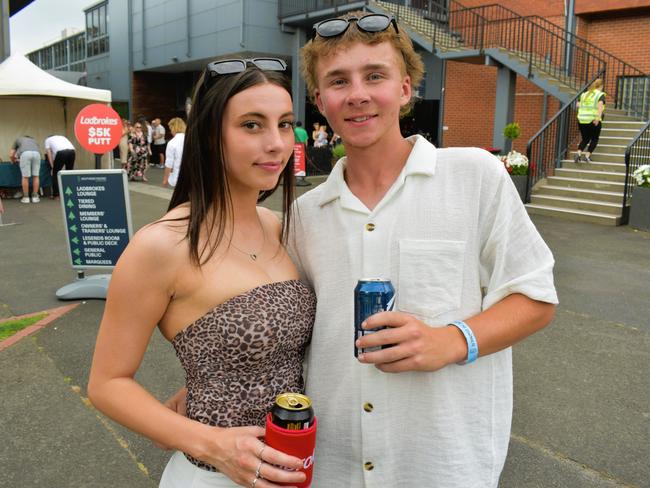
column 36, row 198
column 25, row 200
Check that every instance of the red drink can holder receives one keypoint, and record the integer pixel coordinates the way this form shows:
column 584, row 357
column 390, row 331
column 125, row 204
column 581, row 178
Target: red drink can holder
column 298, row 443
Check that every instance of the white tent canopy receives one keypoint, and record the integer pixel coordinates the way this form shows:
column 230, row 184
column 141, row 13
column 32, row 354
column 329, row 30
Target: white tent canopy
column 35, row 103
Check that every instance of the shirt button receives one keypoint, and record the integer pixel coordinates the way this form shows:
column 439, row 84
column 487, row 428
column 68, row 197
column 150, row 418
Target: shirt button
column 370, row 226
column 368, row 466
column 368, row 407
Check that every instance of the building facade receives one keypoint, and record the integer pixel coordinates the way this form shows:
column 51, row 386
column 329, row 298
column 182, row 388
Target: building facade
column 149, row 53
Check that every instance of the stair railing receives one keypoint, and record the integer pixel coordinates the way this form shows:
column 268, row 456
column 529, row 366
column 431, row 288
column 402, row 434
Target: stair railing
column 623, row 81
column 552, row 143
column 542, row 48
column 637, row 154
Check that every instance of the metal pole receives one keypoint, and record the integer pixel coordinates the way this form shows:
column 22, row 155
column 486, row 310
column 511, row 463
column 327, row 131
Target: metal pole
column 570, row 28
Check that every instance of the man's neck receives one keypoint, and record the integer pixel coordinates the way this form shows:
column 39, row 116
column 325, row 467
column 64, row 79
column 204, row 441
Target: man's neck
column 371, row 171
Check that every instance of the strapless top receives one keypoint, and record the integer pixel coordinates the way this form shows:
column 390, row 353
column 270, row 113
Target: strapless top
column 243, row 353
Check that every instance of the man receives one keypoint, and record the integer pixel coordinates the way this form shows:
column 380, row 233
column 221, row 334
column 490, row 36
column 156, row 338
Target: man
column 447, row 227
column 159, row 143
column 26, row 152
column 60, row 154
column 300, row 133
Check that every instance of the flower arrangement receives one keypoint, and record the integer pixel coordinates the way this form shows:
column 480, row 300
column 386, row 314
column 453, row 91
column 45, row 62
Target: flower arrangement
column 642, row 175
column 515, row 163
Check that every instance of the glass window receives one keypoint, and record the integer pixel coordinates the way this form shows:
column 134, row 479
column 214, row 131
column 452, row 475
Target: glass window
column 97, row 30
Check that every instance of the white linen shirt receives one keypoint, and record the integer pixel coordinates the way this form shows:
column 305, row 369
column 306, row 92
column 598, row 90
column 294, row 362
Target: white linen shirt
column 454, row 238
column 173, row 156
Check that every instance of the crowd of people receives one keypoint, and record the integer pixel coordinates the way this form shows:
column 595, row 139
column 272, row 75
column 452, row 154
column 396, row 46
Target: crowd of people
column 144, row 144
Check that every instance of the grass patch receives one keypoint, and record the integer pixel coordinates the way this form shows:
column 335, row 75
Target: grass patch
column 10, row 327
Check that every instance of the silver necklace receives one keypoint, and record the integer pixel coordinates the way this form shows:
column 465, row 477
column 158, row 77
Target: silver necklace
column 252, row 255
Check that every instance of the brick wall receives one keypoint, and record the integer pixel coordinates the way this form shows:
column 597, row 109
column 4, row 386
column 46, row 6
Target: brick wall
column 627, row 37
column 154, row 95
column 468, row 87
column 625, row 34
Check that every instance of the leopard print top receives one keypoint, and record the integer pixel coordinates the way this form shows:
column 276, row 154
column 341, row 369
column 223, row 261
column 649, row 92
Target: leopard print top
column 242, row 354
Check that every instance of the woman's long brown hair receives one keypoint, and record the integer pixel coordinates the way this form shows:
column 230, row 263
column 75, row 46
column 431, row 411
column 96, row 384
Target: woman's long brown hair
column 202, row 181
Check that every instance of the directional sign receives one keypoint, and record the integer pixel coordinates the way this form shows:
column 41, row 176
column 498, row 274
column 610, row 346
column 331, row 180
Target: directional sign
column 97, row 214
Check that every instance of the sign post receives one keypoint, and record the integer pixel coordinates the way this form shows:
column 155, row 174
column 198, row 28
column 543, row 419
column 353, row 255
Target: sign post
column 95, row 204
column 299, row 164
column 97, row 216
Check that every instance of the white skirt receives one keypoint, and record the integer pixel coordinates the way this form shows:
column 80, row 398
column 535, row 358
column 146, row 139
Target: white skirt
column 180, row 473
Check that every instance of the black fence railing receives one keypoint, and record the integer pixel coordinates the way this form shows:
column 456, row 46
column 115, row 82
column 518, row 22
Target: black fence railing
column 552, row 143
column 288, row 8
column 633, row 95
column 637, row 154
column 617, row 69
column 542, row 48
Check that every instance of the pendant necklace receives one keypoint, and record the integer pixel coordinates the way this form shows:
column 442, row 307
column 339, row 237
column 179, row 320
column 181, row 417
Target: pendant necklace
column 252, row 255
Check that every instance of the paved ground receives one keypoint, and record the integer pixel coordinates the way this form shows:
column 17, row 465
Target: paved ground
column 582, row 409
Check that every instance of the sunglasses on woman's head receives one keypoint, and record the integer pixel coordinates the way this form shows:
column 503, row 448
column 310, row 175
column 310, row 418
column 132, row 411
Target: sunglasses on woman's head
column 371, row 23
column 232, row 66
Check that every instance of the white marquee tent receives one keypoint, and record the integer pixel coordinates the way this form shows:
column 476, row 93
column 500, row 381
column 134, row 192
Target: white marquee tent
column 35, row 103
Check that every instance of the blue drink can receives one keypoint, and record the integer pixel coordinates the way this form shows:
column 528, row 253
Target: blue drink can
column 371, row 296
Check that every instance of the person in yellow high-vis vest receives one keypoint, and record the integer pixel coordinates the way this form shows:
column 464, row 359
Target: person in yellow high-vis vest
column 590, row 116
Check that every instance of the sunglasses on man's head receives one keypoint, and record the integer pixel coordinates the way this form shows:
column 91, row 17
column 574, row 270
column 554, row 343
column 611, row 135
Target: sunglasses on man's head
column 368, row 23
column 232, row 66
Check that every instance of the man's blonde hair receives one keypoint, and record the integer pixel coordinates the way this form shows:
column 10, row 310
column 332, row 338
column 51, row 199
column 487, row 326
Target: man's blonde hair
column 320, row 47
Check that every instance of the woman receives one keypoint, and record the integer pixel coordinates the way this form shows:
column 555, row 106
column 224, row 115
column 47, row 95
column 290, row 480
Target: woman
column 138, row 151
column 321, row 137
column 174, row 152
column 124, row 142
column 314, row 133
column 590, row 117
column 227, row 296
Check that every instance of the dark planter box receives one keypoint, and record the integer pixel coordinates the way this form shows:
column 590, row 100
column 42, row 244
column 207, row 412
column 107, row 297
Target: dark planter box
column 520, row 184
column 640, row 208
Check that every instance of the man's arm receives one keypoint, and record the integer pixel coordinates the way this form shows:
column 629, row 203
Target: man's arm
column 12, row 155
column 50, row 158
column 419, row 347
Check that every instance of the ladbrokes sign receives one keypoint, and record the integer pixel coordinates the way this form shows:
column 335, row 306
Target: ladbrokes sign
column 98, row 128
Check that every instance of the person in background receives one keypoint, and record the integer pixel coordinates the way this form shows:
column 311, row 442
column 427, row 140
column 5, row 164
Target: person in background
column 590, row 117
column 321, row 137
column 174, row 152
column 26, row 152
column 124, row 142
column 314, row 133
column 214, row 277
column 60, row 154
column 148, row 132
column 159, row 143
column 300, row 133
column 138, row 151
column 336, row 139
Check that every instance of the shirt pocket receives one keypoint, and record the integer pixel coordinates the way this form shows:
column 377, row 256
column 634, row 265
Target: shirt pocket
column 430, row 276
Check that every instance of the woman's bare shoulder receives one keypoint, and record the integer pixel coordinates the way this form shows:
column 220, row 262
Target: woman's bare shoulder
column 270, row 219
column 166, row 236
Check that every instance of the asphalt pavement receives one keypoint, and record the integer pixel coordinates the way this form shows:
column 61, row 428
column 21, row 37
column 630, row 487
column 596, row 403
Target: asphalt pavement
column 581, row 406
